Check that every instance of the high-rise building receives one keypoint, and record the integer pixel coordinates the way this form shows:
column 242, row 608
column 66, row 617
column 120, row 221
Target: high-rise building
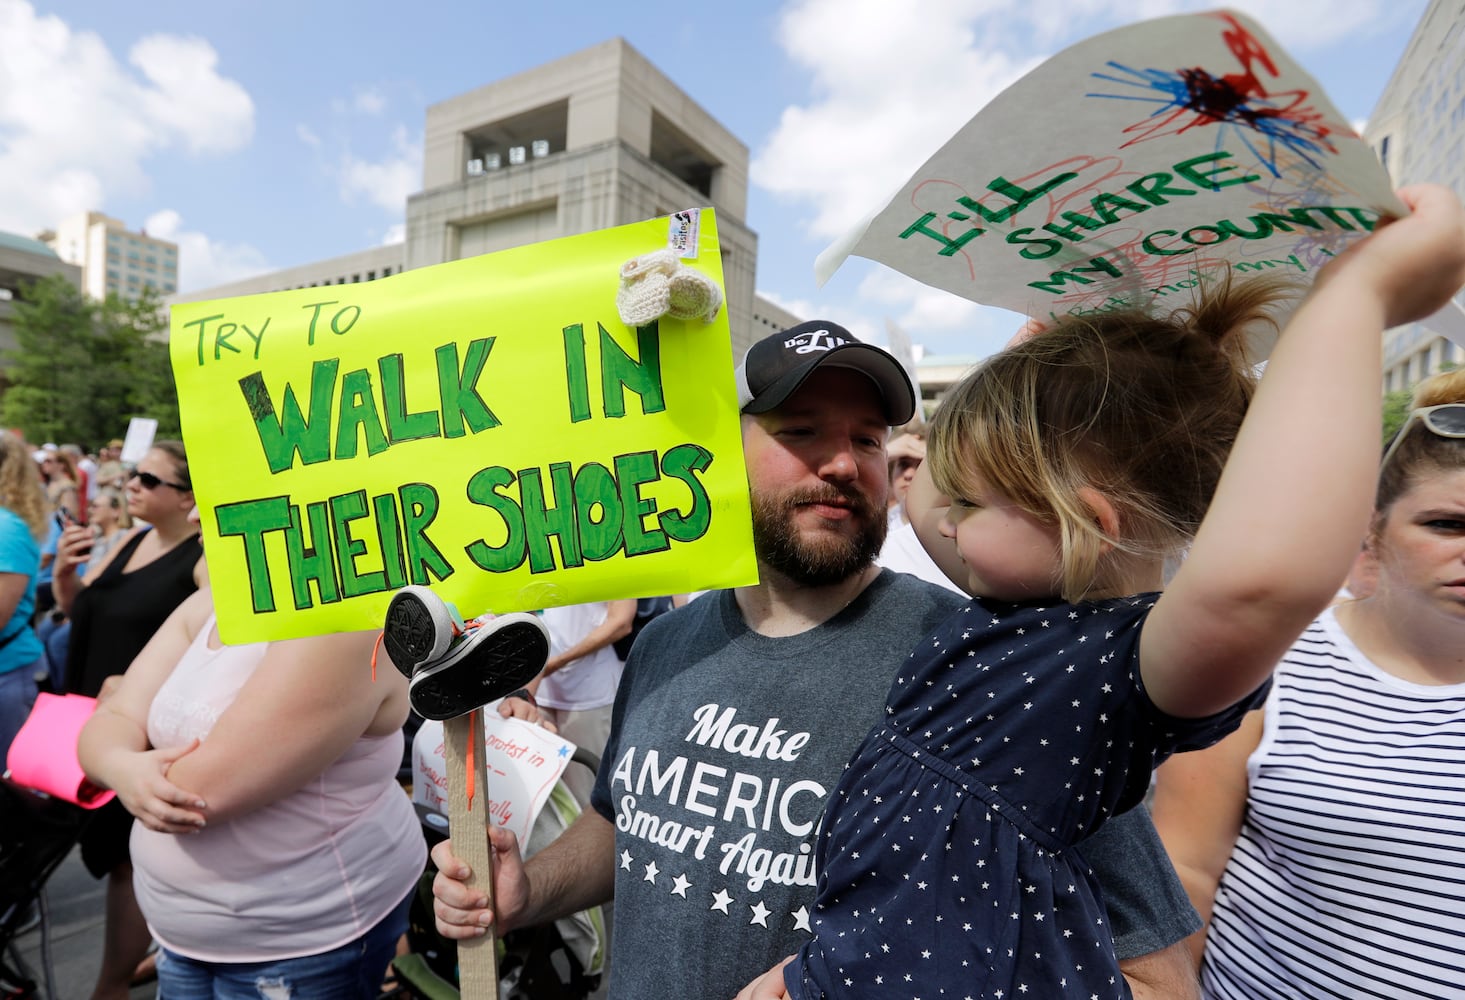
column 596, row 139
column 1418, row 130
column 113, row 258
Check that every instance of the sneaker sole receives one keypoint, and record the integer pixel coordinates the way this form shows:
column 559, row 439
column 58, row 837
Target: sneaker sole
column 418, row 627
column 503, row 655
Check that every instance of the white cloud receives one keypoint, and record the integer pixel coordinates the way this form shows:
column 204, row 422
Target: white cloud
column 943, row 321
column 209, row 113
column 203, row 262
column 370, row 101
column 386, row 182
column 396, row 233
column 892, row 82
column 76, row 126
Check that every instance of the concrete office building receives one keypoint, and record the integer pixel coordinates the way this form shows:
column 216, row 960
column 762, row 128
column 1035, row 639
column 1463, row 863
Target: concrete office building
column 22, row 261
column 597, row 139
column 113, row 258
column 1418, row 130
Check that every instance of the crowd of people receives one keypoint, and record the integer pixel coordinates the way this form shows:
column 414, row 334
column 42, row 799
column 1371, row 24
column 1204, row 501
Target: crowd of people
column 914, row 757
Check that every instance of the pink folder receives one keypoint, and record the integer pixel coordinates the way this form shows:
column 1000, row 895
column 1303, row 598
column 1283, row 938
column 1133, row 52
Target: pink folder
column 43, row 756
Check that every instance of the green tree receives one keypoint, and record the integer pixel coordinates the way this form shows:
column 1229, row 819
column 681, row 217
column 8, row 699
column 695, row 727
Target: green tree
column 1396, row 411
column 82, row 369
column 137, row 334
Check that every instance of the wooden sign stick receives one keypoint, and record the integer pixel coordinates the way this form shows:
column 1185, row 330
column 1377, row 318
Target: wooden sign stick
column 478, row 977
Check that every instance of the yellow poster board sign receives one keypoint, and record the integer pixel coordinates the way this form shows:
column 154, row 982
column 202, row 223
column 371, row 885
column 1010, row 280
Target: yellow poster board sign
column 486, row 427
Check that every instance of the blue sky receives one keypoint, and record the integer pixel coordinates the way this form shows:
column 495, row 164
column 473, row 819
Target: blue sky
column 266, row 134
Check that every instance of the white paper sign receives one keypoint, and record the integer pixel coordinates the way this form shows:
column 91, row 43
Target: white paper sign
column 140, row 434
column 523, row 763
column 1128, row 169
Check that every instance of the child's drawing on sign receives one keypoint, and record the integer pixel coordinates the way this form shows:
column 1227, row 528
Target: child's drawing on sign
column 1237, row 159
column 1240, row 103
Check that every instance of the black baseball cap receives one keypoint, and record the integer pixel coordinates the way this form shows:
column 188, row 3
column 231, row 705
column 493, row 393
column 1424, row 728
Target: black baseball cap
column 777, row 365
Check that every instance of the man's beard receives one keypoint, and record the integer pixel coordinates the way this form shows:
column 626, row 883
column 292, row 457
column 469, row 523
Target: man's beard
column 827, row 559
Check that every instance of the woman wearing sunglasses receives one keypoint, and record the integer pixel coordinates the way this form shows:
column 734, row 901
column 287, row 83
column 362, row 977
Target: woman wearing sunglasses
column 1324, row 841
column 115, row 609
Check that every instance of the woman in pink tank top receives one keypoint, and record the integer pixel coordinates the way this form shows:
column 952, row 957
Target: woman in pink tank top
column 272, row 842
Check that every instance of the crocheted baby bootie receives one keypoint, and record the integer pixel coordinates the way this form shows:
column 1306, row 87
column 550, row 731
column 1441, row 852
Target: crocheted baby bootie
column 693, row 295
column 645, row 292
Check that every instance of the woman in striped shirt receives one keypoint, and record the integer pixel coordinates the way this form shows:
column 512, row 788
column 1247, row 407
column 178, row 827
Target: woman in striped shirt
column 1324, row 841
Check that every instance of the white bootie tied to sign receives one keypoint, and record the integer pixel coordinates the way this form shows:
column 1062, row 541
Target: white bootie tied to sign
column 658, row 284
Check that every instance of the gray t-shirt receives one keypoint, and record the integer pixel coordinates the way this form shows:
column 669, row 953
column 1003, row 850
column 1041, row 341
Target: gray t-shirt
column 724, row 745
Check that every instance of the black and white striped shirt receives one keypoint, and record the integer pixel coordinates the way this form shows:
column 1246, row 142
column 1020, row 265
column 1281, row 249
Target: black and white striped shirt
column 1348, row 879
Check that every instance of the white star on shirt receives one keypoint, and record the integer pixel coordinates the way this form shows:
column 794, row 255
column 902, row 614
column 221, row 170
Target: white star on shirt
column 720, row 901
column 801, row 919
column 651, row 872
column 626, row 860
column 760, row 914
column 680, row 887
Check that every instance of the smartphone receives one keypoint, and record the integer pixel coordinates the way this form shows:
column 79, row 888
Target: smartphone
column 64, row 520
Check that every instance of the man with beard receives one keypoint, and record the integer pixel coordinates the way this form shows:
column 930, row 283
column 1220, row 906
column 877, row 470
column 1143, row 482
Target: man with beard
column 736, row 714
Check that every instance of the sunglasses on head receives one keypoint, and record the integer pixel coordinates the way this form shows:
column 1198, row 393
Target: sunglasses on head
column 1446, row 420
column 149, row 481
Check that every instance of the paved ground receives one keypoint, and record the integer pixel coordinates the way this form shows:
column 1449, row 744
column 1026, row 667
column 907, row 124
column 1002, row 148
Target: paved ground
column 74, row 899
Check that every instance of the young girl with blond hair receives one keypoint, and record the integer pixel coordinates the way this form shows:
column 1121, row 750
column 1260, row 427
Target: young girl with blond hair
column 1077, row 463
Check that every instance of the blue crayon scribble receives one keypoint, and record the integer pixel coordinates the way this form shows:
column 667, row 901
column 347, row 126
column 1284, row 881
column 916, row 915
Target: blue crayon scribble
column 1266, row 124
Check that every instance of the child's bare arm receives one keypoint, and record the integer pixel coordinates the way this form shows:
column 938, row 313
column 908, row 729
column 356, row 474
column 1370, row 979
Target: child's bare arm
column 1296, row 494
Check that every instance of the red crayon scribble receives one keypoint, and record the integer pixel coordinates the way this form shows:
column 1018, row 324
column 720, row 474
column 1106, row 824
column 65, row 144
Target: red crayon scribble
column 1267, row 122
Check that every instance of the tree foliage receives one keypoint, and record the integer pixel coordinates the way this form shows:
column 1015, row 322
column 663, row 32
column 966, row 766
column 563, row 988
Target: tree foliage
column 1396, row 411
column 82, row 369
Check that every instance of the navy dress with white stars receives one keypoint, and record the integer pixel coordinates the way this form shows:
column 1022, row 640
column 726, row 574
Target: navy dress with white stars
column 947, row 865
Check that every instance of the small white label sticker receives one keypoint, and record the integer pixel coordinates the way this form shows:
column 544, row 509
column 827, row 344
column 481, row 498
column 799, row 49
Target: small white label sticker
column 683, row 232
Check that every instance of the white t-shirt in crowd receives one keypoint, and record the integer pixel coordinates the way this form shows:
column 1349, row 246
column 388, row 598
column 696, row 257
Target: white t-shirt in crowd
column 589, row 682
